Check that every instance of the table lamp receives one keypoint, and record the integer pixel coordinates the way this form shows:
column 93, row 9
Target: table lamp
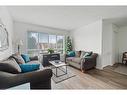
column 20, row 43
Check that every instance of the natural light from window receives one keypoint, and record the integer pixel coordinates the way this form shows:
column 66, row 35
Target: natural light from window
column 40, row 42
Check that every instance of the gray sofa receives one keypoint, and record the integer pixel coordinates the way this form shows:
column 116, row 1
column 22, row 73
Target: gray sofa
column 11, row 76
column 82, row 63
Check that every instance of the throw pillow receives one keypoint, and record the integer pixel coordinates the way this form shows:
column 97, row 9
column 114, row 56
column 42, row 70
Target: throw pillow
column 25, row 57
column 78, row 53
column 87, row 54
column 34, row 58
column 18, row 58
column 82, row 54
column 71, row 54
column 125, row 54
column 29, row 67
column 10, row 65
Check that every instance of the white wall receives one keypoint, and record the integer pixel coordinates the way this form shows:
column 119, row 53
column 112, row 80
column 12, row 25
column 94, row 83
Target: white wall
column 89, row 38
column 115, row 44
column 109, row 44
column 20, row 32
column 106, row 44
column 99, row 37
column 122, row 41
column 8, row 22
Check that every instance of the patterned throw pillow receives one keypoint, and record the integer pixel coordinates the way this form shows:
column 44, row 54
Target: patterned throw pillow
column 10, row 65
column 18, row 58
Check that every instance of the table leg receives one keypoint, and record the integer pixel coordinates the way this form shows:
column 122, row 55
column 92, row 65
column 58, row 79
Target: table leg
column 56, row 72
column 66, row 69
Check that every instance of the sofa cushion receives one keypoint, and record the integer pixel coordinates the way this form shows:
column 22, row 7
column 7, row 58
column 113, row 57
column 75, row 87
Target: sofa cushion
column 69, row 58
column 29, row 67
column 76, row 60
column 10, row 65
column 82, row 54
column 77, row 53
column 34, row 58
column 87, row 54
column 18, row 58
column 36, row 62
column 74, row 64
column 25, row 57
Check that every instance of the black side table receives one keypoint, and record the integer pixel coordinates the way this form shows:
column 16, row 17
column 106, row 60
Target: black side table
column 50, row 57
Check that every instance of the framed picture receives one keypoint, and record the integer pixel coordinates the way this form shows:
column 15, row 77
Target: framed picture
column 4, row 42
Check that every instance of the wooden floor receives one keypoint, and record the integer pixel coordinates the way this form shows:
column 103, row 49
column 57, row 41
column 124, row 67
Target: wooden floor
column 93, row 79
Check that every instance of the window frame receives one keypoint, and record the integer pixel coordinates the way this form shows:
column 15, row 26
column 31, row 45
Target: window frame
column 38, row 49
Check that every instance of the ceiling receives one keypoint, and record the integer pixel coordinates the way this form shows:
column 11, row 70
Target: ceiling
column 68, row 17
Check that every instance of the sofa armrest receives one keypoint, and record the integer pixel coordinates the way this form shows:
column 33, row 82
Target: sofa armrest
column 91, row 58
column 8, row 80
column 33, row 58
column 89, row 62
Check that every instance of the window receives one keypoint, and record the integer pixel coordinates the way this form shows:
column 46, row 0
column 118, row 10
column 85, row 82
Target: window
column 52, row 41
column 43, row 41
column 60, row 40
column 38, row 41
column 32, row 40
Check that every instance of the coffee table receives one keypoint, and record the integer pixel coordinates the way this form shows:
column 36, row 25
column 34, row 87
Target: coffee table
column 57, row 64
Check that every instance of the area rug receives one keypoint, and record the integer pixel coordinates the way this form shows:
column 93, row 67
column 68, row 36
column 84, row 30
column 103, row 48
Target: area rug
column 63, row 77
column 122, row 69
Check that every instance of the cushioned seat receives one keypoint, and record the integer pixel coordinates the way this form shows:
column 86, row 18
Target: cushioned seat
column 36, row 62
column 76, row 60
column 69, row 58
column 74, row 64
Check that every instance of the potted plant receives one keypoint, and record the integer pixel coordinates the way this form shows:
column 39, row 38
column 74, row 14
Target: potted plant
column 50, row 51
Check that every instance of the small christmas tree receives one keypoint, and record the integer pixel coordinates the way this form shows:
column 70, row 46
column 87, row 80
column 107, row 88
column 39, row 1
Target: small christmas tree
column 68, row 45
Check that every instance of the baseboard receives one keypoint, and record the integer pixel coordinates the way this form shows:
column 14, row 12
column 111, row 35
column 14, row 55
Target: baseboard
column 100, row 68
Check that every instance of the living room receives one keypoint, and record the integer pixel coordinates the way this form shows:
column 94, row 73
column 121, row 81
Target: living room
column 89, row 47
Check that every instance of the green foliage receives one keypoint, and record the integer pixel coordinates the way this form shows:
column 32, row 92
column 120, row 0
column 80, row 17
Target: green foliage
column 68, row 45
column 50, row 50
